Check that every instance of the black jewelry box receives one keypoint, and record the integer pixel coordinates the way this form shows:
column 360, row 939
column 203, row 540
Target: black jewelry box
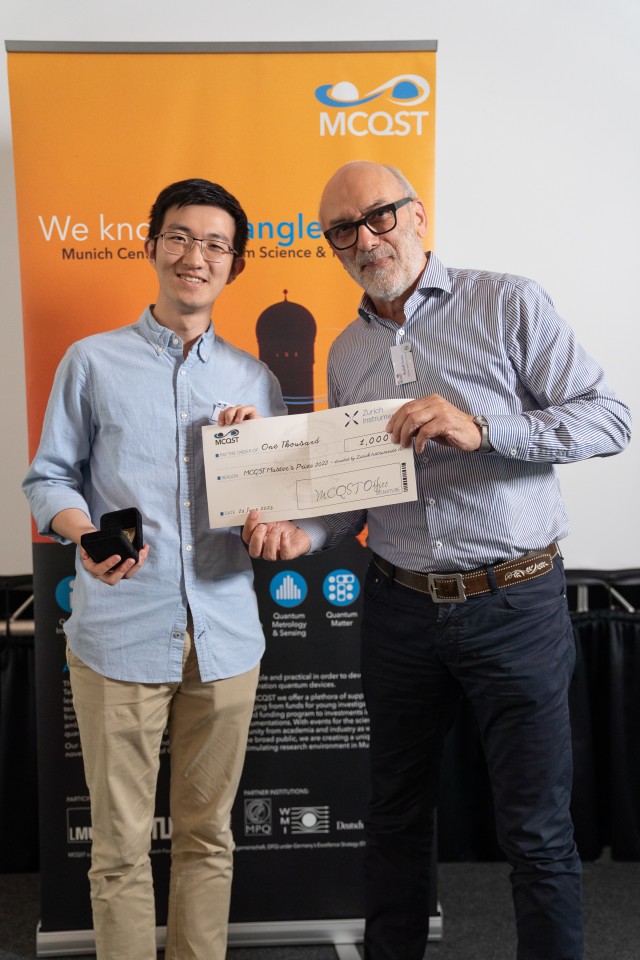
column 120, row 532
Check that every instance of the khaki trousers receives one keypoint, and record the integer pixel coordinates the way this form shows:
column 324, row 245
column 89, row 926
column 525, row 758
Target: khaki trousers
column 121, row 727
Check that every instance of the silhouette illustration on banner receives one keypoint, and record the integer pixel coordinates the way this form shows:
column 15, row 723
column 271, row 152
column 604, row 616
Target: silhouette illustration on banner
column 286, row 335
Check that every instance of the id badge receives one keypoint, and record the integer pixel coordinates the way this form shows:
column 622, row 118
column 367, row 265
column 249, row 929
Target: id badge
column 403, row 365
column 218, row 407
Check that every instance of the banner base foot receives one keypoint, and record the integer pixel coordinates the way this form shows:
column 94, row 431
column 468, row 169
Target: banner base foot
column 343, row 935
column 347, row 951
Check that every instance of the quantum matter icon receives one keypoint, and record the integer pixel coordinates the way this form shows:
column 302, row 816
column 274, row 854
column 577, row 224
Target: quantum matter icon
column 286, row 335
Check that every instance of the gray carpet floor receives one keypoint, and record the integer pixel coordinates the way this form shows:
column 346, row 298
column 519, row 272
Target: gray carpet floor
column 476, row 905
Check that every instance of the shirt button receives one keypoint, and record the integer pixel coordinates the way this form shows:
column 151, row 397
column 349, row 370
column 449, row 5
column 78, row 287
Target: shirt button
column 177, row 636
column 183, row 416
column 183, row 373
column 513, row 452
column 431, row 502
column 159, row 349
column 186, row 459
column 438, row 543
column 189, row 548
column 175, row 341
column 187, row 503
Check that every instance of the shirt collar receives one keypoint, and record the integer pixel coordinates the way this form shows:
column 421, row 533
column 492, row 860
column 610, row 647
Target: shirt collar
column 435, row 276
column 161, row 337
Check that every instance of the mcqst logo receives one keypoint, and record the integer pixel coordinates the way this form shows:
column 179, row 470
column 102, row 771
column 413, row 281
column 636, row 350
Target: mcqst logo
column 231, row 436
column 406, row 91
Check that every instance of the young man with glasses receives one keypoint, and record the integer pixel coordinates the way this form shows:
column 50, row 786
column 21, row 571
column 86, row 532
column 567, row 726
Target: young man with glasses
column 466, row 589
column 172, row 639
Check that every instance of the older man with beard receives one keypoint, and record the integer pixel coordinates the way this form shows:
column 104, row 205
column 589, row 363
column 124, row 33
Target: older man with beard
column 466, row 588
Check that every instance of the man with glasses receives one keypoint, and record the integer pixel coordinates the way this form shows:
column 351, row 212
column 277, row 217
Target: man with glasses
column 466, row 589
column 172, row 640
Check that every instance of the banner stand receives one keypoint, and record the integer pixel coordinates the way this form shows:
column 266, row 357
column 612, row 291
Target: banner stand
column 344, row 935
column 298, row 819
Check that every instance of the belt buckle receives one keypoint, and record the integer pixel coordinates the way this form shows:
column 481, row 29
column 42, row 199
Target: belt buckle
column 432, row 585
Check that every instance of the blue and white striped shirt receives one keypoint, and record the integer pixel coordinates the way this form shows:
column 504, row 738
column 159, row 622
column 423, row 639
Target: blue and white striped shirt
column 490, row 344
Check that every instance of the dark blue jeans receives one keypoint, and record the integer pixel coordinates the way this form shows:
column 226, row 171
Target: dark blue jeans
column 512, row 653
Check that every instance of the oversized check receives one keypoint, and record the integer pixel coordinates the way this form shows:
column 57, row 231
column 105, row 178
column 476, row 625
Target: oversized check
column 306, row 465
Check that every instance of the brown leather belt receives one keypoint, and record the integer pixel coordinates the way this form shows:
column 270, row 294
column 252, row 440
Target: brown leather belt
column 456, row 587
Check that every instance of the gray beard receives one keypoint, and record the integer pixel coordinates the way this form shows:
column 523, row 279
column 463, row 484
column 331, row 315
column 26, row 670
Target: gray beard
column 382, row 288
column 386, row 287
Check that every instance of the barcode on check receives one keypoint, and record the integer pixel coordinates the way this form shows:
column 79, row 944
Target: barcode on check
column 405, row 482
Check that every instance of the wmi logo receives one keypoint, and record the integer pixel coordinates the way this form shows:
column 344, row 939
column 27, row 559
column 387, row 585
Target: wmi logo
column 406, row 90
column 304, row 819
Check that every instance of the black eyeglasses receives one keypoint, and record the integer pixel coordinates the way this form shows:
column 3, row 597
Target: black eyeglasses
column 379, row 221
column 180, row 243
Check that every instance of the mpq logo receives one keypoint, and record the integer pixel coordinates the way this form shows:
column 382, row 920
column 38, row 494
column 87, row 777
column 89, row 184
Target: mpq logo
column 407, row 90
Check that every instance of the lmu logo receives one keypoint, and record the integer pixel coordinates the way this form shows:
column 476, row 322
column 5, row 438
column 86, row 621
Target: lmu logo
column 79, row 825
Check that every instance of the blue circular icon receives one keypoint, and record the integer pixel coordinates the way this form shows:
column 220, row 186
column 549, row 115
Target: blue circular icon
column 64, row 593
column 341, row 587
column 288, row 588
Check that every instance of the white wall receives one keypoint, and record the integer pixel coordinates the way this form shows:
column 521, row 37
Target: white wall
column 538, row 171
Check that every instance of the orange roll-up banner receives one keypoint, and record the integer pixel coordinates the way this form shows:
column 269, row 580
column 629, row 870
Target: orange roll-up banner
column 98, row 131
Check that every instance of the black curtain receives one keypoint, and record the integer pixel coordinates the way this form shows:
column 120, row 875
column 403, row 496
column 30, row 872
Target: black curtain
column 18, row 768
column 610, row 642
column 605, row 720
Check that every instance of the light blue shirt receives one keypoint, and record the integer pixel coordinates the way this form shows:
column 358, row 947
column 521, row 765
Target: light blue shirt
column 123, row 428
column 490, row 344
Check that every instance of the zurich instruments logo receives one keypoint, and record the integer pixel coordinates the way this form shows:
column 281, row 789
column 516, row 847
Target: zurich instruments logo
column 406, row 92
